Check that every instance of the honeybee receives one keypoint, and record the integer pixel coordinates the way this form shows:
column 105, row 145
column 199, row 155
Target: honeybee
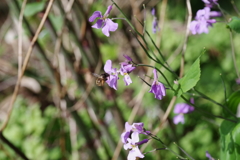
column 101, row 78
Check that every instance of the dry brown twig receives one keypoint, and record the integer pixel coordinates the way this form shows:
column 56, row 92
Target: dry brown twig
column 20, row 38
column 26, row 60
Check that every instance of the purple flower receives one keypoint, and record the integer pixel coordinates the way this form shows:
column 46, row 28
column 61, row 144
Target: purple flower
column 209, row 156
column 125, row 135
column 113, row 74
column 134, row 128
column 124, row 73
column 157, row 88
column 210, row 3
column 181, row 109
column 132, row 144
column 128, row 64
column 202, row 21
column 155, row 27
column 103, row 22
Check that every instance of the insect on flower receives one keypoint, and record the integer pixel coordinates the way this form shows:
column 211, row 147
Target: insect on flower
column 101, row 78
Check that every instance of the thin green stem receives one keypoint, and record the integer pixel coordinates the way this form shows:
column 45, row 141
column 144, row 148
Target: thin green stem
column 208, row 112
column 158, row 139
column 145, row 81
column 183, row 151
column 233, row 54
column 128, row 21
column 145, row 50
column 224, row 87
column 159, row 72
column 208, row 98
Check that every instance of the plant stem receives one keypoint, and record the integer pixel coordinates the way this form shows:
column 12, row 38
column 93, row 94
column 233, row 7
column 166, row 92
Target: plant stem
column 159, row 72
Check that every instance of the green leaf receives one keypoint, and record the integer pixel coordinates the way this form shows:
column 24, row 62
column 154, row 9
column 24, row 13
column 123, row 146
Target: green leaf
column 33, row 8
column 230, row 140
column 190, row 79
column 57, row 21
column 234, row 24
column 232, row 103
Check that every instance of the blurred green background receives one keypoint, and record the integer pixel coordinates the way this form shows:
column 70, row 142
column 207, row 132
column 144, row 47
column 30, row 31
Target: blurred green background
column 61, row 114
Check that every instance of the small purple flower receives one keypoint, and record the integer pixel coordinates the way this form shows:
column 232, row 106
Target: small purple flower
column 103, row 22
column 132, row 144
column 210, row 3
column 202, row 21
column 134, row 128
column 113, row 74
column 157, row 88
column 181, row 109
column 125, row 135
column 127, row 64
column 124, row 73
column 155, row 27
column 209, row 156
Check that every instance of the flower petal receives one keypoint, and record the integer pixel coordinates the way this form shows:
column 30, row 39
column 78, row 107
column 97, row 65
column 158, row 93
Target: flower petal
column 108, row 11
column 108, row 66
column 99, row 24
column 178, row 119
column 109, row 26
column 95, row 15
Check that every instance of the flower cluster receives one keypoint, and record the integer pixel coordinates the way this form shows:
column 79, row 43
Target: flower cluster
column 103, row 22
column 181, row 109
column 202, row 20
column 130, row 139
column 157, row 88
column 126, row 68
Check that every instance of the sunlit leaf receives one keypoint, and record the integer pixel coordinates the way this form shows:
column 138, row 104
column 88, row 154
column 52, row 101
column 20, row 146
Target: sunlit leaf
column 190, row 79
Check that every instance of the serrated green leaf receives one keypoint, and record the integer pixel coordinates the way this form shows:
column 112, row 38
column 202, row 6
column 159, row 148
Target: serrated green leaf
column 190, row 79
column 234, row 24
column 33, row 8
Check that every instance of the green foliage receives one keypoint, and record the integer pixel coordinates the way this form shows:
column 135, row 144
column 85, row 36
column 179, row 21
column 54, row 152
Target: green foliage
column 33, row 8
column 233, row 103
column 57, row 22
column 190, row 79
column 108, row 51
column 26, row 128
column 234, row 24
column 230, row 140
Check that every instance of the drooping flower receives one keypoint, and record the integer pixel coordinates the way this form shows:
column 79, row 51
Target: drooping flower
column 103, row 22
column 133, row 146
column 155, row 27
column 113, row 74
column 157, row 88
column 181, row 109
column 202, row 21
